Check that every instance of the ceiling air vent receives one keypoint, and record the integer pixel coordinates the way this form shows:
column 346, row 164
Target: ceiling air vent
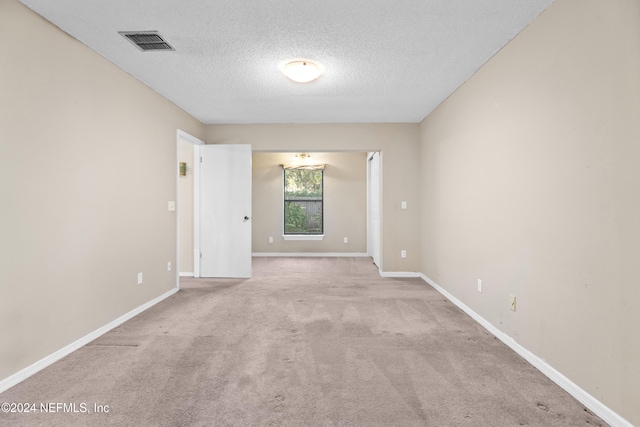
column 147, row 40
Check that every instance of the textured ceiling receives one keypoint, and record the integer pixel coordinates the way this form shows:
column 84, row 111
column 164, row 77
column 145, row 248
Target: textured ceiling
column 385, row 60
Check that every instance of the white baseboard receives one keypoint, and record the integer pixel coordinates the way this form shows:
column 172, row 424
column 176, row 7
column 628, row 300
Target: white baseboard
column 403, row 274
column 22, row 375
column 310, row 254
column 593, row 404
column 186, row 274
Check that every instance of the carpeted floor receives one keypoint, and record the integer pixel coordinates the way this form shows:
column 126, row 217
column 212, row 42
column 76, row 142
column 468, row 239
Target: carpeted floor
column 305, row 342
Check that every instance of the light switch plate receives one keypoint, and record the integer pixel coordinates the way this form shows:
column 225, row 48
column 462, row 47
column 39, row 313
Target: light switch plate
column 172, row 206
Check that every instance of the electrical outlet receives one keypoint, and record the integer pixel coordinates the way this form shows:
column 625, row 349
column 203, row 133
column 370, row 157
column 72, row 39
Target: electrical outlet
column 139, row 278
column 403, row 254
column 479, row 285
column 169, row 266
column 512, row 302
column 346, row 240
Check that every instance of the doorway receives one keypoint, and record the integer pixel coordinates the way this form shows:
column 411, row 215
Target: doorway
column 188, row 183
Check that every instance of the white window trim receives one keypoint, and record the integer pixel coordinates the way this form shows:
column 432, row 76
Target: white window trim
column 303, row 236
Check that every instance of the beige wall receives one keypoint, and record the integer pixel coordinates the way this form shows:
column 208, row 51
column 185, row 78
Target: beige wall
column 345, row 203
column 398, row 144
column 185, row 221
column 87, row 165
column 531, row 181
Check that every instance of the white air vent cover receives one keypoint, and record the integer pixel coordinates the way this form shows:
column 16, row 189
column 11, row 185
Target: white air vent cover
column 146, row 40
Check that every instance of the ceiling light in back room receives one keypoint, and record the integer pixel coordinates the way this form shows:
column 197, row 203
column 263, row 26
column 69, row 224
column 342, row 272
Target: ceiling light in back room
column 302, row 71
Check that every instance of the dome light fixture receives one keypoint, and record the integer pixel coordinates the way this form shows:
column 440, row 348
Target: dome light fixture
column 302, row 71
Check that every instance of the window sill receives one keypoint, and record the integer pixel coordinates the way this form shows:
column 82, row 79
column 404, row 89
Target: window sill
column 303, row 236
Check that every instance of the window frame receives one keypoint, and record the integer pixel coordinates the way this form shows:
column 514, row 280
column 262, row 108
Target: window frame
column 297, row 235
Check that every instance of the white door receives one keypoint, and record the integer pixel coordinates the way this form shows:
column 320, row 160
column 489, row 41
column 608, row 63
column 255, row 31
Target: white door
column 374, row 214
column 225, row 211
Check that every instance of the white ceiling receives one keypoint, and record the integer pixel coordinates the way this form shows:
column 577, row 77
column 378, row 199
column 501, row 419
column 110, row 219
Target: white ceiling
column 385, row 60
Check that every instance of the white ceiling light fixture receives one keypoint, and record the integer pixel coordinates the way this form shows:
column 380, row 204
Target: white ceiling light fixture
column 302, row 71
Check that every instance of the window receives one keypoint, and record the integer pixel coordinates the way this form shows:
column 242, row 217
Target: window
column 303, row 189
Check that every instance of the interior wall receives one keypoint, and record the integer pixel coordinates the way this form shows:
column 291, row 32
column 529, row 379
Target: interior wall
column 530, row 182
column 185, row 208
column 344, row 200
column 399, row 146
column 87, row 168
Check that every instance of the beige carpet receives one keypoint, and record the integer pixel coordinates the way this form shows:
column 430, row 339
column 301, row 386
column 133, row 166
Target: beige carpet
column 305, row 342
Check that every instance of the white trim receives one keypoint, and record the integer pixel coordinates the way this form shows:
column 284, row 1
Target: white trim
column 176, row 262
column 303, row 236
column 186, row 274
column 406, row 274
column 369, row 156
column 594, row 405
column 310, row 254
column 196, row 211
column 22, row 375
column 189, row 138
column 370, row 186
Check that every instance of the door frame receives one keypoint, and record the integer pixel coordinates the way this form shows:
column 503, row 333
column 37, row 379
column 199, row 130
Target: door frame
column 378, row 184
column 186, row 137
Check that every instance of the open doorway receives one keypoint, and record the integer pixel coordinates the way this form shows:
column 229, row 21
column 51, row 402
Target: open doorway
column 187, row 204
column 333, row 224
